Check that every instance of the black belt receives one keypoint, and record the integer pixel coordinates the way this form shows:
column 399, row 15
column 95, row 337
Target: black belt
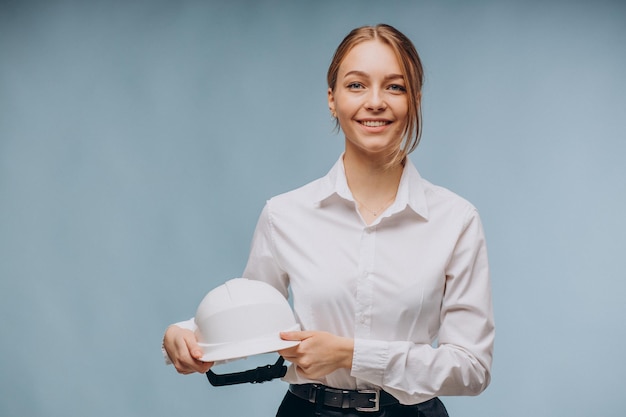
column 363, row 400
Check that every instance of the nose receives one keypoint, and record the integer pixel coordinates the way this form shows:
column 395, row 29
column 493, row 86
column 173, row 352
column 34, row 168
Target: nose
column 375, row 101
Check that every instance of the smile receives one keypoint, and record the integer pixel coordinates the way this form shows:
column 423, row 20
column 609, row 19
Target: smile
column 374, row 123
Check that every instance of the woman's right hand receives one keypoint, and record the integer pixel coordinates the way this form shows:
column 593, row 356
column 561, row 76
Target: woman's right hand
column 182, row 348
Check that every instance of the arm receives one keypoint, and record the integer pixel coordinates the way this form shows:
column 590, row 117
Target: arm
column 460, row 364
column 262, row 262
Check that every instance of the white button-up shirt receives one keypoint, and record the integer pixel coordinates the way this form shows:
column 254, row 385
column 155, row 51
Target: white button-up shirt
column 412, row 289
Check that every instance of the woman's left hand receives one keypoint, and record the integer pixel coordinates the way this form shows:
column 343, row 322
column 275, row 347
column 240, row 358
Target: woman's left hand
column 319, row 353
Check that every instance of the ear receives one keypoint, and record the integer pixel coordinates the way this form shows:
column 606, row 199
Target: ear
column 331, row 103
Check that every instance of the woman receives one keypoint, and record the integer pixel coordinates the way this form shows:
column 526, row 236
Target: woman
column 389, row 273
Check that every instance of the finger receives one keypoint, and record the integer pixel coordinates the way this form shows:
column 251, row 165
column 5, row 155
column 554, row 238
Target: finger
column 188, row 355
column 190, row 366
column 195, row 356
column 288, row 352
column 203, row 367
column 295, row 336
column 194, row 349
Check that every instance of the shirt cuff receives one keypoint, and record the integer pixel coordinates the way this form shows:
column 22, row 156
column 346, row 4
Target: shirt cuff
column 369, row 361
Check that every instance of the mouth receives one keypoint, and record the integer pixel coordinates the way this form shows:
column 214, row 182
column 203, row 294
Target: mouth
column 374, row 123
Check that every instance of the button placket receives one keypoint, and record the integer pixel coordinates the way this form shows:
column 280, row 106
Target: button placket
column 364, row 292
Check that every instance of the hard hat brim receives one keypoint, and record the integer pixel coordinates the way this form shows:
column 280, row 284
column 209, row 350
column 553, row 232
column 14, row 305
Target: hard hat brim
column 231, row 351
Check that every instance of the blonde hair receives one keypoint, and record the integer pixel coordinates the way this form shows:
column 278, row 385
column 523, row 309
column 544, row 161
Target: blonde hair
column 412, row 70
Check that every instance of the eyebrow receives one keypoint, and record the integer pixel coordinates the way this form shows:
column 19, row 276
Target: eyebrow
column 364, row 74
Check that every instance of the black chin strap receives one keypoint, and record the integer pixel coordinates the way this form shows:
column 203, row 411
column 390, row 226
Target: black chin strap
column 258, row 375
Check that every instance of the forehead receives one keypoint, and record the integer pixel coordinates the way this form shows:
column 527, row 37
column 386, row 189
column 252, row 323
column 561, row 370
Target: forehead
column 370, row 57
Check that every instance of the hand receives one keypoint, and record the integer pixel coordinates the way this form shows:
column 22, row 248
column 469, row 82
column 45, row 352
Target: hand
column 319, row 353
column 182, row 348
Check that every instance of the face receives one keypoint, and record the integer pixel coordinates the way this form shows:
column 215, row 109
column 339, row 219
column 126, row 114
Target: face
column 370, row 100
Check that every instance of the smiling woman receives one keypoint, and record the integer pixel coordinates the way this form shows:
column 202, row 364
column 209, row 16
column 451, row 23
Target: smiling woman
column 404, row 66
column 370, row 101
column 389, row 273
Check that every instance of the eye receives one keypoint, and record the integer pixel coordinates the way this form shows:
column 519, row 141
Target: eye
column 355, row 86
column 397, row 88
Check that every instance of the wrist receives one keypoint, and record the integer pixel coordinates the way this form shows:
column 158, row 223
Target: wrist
column 347, row 348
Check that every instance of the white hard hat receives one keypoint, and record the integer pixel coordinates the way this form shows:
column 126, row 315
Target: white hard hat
column 242, row 318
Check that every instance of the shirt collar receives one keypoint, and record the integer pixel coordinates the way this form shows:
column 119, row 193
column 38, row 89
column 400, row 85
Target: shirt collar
column 410, row 190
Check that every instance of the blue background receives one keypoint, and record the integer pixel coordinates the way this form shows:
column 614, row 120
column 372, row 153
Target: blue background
column 139, row 141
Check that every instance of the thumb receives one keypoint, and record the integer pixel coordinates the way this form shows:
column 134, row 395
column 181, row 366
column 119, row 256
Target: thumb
column 193, row 347
column 294, row 335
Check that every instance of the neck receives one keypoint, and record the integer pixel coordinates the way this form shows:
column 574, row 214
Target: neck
column 373, row 183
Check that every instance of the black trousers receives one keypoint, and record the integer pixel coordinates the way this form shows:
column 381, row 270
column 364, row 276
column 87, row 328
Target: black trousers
column 293, row 406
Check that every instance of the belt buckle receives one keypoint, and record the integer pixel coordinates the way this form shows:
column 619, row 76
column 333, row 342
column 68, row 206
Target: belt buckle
column 375, row 400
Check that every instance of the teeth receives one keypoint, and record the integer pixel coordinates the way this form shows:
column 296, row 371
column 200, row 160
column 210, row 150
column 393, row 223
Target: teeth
column 370, row 123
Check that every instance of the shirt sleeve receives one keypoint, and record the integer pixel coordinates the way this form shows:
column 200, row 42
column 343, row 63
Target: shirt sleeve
column 461, row 361
column 263, row 264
